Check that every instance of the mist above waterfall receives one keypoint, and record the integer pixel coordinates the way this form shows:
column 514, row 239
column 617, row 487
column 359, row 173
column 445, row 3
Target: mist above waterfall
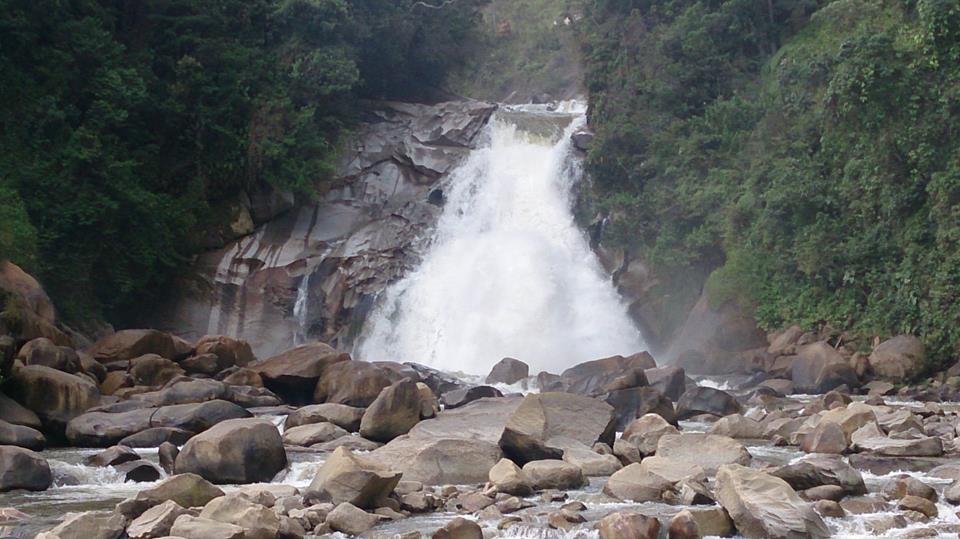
column 508, row 272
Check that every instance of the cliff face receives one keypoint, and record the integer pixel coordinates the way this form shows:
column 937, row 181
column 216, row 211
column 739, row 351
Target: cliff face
column 312, row 272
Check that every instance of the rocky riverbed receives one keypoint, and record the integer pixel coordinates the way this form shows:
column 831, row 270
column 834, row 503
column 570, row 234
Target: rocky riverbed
column 147, row 435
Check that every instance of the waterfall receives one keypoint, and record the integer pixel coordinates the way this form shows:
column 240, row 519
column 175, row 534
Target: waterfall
column 300, row 310
column 507, row 272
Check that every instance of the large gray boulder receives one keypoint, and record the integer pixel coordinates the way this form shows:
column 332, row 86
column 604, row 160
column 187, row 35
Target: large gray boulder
column 508, row 371
column 186, row 490
column 440, row 461
column 23, row 469
column 592, row 377
column 669, row 380
column 102, row 429
column 541, row 417
column 156, row 521
column 706, row 400
column 641, row 437
column 21, row 436
column 655, row 479
column 554, row 474
column 257, row 521
column 55, row 396
column 294, row 374
column 349, row 478
column 816, row 471
column 235, row 451
column 763, row 506
column 350, row 519
column 898, row 359
column 88, row 525
column 394, row 412
column 509, row 478
column 708, row 451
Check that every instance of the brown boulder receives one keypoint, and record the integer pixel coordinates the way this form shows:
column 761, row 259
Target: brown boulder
column 591, row 377
column 55, row 396
column 21, row 436
column 629, row 404
column 23, row 469
column 625, row 525
column 669, row 380
column 153, row 370
column 394, row 412
column 700, row 400
column 230, row 351
column 354, row 383
column 234, row 451
column 898, row 359
column 349, row 478
column 42, row 351
column 294, row 374
column 341, row 415
column 130, row 343
column 820, row 368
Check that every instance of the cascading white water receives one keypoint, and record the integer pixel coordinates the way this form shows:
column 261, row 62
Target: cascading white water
column 508, row 272
column 300, row 310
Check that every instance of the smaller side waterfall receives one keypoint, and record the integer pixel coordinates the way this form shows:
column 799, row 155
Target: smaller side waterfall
column 300, row 310
column 508, row 271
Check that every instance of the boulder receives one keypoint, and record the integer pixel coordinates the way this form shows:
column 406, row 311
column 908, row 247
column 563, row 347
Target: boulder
column 89, row 525
column 820, row 368
column 689, row 447
column 353, row 443
column 438, row 382
column 822, row 470
column 459, row 528
column 763, row 506
column 186, row 490
column 626, row 525
column 294, row 374
column 350, row 519
column 629, row 404
column 541, row 417
column 918, row 504
column 241, row 377
column 167, row 455
column 316, row 433
column 206, row 364
column 904, row 485
column 13, row 412
column 669, row 380
column 429, row 404
column 341, row 415
column 592, row 464
column 898, row 359
column 156, row 521
column 463, row 396
column 139, row 471
column 553, row 474
column 43, row 351
column 508, row 371
column 102, row 429
column 683, row 526
column 130, row 343
column 349, row 478
column 157, row 436
column 23, row 469
column 112, row 456
column 827, row 437
column 851, row 418
column 737, row 426
column 641, row 437
column 234, row 451
column 706, row 400
column 153, row 370
column 354, row 383
column 785, row 343
column 55, row 396
column 870, row 439
column 230, row 351
column 21, row 436
column 652, row 480
column 592, row 377
column 257, row 521
column 191, row 527
column 440, row 461
column 394, row 412
column 509, row 478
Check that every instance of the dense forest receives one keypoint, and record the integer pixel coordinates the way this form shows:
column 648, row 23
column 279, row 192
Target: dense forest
column 126, row 126
column 805, row 154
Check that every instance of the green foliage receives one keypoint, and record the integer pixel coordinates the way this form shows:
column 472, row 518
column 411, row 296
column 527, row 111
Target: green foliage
column 805, row 151
column 124, row 124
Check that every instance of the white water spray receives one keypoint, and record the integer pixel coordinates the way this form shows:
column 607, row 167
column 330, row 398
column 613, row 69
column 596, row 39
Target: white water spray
column 300, row 310
column 508, row 272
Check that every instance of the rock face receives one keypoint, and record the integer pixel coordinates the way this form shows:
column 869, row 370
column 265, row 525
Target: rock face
column 349, row 478
column 508, row 371
column 542, row 417
column 55, row 396
column 234, row 451
column 764, row 506
column 23, row 469
column 339, row 252
column 394, row 412
column 898, row 359
column 294, row 373
column 713, row 338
